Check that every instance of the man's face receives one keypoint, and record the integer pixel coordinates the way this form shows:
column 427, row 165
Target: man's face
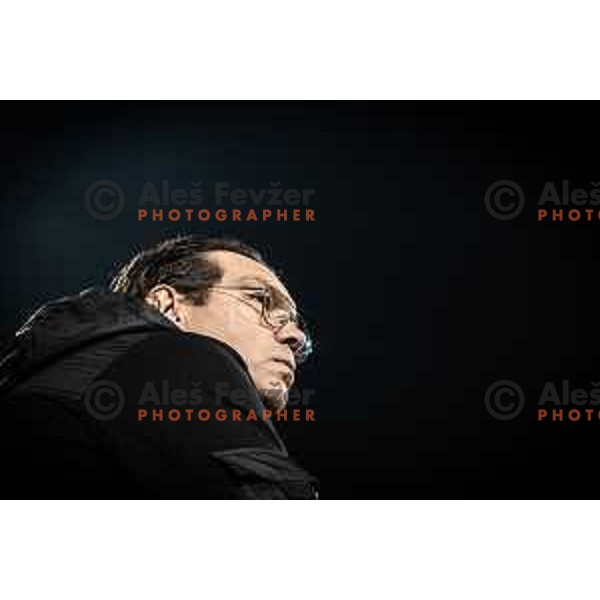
column 234, row 316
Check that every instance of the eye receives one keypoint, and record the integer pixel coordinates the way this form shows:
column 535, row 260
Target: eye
column 262, row 296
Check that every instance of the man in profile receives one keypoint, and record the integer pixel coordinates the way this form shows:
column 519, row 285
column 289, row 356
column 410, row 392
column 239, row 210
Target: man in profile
column 199, row 315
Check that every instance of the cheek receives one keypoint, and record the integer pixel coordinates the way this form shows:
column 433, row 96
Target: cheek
column 254, row 343
column 256, row 348
column 228, row 320
column 220, row 321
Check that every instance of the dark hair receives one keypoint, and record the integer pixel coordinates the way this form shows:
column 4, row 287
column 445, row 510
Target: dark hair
column 178, row 262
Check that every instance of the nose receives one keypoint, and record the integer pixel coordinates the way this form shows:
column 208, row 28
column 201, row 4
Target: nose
column 291, row 335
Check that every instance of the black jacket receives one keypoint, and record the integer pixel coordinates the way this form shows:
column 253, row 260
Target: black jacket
column 75, row 381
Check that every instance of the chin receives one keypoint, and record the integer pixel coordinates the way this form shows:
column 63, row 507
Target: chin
column 274, row 392
column 276, row 401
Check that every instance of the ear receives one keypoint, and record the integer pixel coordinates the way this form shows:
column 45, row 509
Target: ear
column 166, row 300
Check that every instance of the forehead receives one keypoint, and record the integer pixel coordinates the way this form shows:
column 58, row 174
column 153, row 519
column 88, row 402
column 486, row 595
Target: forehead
column 241, row 270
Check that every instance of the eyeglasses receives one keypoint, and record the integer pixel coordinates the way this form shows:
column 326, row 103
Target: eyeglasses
column 276, row 317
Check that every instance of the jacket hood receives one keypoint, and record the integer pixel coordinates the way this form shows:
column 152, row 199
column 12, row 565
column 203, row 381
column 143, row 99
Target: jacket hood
column 62, row 325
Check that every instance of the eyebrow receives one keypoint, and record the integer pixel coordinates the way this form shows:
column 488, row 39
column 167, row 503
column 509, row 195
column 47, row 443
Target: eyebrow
column 257, row 280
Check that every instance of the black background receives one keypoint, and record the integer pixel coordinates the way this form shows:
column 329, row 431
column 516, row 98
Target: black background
column 419, row 298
